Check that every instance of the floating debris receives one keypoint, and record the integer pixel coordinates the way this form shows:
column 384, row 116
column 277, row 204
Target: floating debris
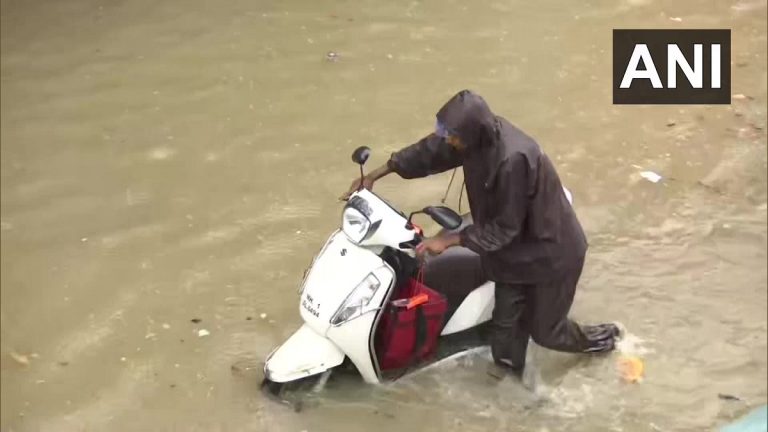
column 332, row 56
column 728, row 397
column 161, row 153
column 263, row 316
column 676, row 19
column 203, row 332
column 650, row 176
column 196, row 320
column 631, row 368
column 20, row 358
column 166, row 326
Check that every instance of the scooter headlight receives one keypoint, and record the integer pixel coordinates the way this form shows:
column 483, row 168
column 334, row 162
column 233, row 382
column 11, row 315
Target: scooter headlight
column 355, row 224
column 357, row 302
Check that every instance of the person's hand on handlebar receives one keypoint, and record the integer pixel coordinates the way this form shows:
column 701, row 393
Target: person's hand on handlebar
column 368, row 181
column 437, row 245
column 367, row 184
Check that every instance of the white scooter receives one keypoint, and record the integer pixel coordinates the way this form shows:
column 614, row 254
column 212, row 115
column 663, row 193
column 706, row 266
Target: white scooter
column 350, row 283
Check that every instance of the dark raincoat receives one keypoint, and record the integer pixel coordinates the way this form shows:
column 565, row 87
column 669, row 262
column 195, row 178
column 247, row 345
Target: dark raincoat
column 524, row 230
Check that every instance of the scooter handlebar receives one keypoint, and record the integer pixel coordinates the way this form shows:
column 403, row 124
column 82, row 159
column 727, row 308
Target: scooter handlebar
column 411, row 244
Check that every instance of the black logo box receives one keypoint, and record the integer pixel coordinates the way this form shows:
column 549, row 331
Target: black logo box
column 642, row 91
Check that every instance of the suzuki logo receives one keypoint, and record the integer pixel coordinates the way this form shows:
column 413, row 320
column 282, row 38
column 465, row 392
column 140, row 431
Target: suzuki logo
column 343, row 252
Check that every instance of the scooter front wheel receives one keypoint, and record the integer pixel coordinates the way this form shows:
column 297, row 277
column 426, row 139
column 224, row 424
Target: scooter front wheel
column 293, row 393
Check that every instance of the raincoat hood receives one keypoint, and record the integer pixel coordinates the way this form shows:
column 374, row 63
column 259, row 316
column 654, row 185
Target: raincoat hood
column 467, row 115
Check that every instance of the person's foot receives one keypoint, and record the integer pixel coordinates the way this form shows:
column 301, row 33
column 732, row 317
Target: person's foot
column 601, row 346
column 601, row 331
column 502, row 368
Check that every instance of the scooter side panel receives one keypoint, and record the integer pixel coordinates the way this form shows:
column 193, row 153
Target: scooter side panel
column 476, row 309
column 355, row 337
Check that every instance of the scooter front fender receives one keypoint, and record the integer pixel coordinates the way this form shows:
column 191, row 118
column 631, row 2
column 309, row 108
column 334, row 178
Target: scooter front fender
column 304, row 354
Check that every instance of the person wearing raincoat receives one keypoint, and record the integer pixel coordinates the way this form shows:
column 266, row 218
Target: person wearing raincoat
column 524, row 230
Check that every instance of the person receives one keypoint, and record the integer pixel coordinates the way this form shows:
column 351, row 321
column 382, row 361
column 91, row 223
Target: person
column 524, row 229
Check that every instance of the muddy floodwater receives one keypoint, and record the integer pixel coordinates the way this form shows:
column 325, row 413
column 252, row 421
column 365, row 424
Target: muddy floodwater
column 164, row 162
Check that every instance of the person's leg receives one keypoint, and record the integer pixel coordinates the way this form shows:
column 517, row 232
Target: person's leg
column 550, row 327
column 509, row 333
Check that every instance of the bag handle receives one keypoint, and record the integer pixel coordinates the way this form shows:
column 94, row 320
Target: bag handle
column 420, row 273
column 421, row 319
column 421, row 334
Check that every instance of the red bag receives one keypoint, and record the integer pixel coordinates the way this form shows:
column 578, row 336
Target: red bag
column 411, row 325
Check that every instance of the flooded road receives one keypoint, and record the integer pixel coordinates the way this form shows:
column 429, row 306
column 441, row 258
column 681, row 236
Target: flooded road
column 170, row 161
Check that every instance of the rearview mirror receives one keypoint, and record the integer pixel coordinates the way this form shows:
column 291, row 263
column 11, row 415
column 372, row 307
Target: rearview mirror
column 444, row 216
column 360, row 155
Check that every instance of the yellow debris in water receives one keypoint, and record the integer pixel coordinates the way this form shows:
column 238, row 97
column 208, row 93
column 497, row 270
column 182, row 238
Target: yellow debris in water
column 631, row 368
column 20, row 358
